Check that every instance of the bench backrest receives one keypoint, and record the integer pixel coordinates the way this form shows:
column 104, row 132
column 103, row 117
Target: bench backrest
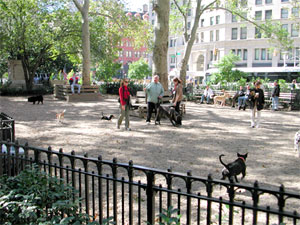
column 141, row 97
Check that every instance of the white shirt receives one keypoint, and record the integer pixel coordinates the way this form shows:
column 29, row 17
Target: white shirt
column 208, row 92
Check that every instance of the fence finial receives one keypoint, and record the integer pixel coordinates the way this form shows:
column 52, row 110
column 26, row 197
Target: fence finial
column 60, row 150
column 49, row 148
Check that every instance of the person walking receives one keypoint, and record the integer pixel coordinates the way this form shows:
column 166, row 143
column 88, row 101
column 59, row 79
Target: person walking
column 124, row 104
column 154, row 92
column 275, row 96
column 257, row 101
column 177, row 94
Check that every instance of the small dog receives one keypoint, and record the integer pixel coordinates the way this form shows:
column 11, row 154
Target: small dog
column 221, row 98
column 234, row 168
column 170, row 112
column 60, row 116
column 107, row 117
column 296, row 142
column 38, row 98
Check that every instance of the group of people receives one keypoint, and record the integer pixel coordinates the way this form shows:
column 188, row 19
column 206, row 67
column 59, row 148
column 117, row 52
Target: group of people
column 154, row 94
column 254, row 97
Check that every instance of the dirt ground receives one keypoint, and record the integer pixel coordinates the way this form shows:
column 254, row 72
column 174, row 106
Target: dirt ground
column 207, row 132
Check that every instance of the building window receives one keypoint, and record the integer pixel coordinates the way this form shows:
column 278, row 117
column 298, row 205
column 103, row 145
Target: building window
column 258, row 2
column 285, row 27
column 233, row 18
column 263, row 54
column 258, row 15
column 284, row 13
column 269, row 55
column 245, row 54
column 211, row 55
column 244, row 3
column 243, row 34
column 202, row 37
column 211, row 36
column 284, row 0
column 217, row 35
column 234, row 34
column 217, row 19
column 126, row 53
column 172, row 58
column 257, row 33
column 256, row 55
column 189, row 25
column 295, row 12
column 233, row 51
column 268, row 14
column 197, row 38
column 202, row 22
column 171, row 43
column 239, row 53
column 211, row 21
column 268, row 1
column 189, row 12
column 295, row 30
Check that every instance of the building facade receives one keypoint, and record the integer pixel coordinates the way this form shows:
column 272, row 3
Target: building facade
column 220, row 33
column 128, row 52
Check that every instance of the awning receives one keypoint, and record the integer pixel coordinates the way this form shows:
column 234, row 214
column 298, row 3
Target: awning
column 261, row 69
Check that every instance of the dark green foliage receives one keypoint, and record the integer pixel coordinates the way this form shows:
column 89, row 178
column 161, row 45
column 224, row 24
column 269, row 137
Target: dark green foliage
column 7, row 90
column 113, row 88
column 34, row 198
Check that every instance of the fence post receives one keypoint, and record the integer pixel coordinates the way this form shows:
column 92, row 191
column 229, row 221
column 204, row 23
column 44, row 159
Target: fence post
column 231, row 199
column 99, row 167
column 169, row 182
column 8, row 159
column 72, row 160
column 61, row 163
column 189, row 191
column 209, row 190
column 255, row 198
column 86, row 176
column 150, row 198
column 49, row 156
column 281, row 203
column 130, row 176
column 115, row 193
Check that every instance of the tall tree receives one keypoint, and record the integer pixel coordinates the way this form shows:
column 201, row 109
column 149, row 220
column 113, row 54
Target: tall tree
column 161, row 37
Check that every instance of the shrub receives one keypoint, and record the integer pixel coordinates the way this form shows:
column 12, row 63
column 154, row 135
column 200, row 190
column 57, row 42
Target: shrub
column 113, row 88
column 7, row 90
column 33, row 197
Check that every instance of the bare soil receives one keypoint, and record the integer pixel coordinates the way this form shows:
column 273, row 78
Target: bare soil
column 207, row 132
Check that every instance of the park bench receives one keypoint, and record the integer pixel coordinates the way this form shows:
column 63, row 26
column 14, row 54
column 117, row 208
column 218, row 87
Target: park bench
column 139, row 104
column 87, row 93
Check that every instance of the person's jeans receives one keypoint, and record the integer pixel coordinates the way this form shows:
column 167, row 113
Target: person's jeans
column 275, row 101
column 207, row 98
column 242, row 100
column 77, row 85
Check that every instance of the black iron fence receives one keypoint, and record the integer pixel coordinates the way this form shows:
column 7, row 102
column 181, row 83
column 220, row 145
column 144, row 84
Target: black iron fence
column 133, row 194
column 7, row 128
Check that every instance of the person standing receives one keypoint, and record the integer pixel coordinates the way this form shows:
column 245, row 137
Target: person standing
column 154, row 92
column 177, row 94
column 124, row 104
column 257, row 101
column 208, row 94
column 275, row 96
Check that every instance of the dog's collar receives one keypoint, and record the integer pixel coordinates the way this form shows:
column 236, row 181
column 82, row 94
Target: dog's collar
column 242, row 158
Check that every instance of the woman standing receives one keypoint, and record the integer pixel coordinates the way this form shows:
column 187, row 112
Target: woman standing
column 257, row 101
column 177, row 94
column 124, row 104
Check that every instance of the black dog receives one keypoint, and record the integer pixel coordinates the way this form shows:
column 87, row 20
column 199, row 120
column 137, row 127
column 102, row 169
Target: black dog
column 170, row 112
column 107, row 117
column 235, row 168
column 38, row 98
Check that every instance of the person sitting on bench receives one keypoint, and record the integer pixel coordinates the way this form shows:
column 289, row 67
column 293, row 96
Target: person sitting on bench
column 74, row 82
column 208, row 94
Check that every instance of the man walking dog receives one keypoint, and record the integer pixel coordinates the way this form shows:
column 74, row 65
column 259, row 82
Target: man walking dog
column 154, row 92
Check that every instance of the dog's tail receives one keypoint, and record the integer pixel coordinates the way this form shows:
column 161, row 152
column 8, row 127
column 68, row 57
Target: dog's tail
column 220, row 158
column 64, row 111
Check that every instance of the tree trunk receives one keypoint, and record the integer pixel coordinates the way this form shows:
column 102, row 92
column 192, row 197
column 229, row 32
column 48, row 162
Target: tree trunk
column 190, row 39
column 161, row 42
column 86, row 53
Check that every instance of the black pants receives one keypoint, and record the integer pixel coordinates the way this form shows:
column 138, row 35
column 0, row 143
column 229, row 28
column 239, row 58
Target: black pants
column 152, row 106
column 177, row 107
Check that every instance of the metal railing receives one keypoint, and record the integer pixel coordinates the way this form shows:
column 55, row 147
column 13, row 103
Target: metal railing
column 133, row 194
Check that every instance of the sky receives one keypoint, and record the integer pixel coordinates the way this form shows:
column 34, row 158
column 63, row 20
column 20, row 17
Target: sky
column 133, row 5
